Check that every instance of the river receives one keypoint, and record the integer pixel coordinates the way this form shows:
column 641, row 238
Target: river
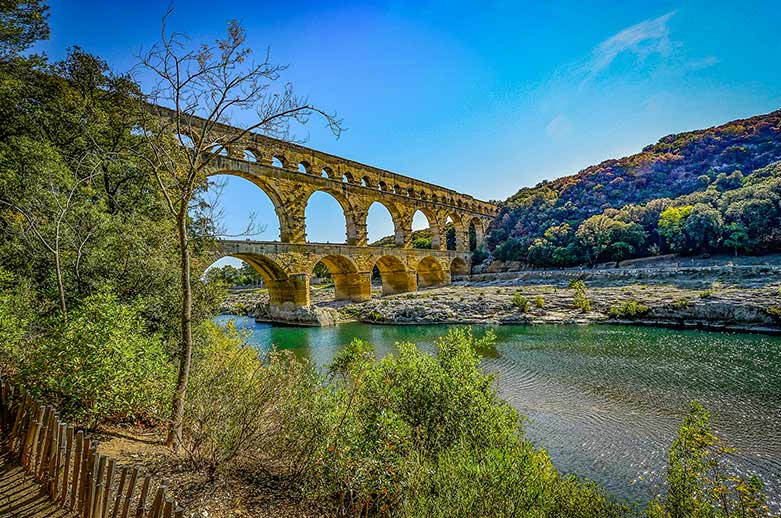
column 606, row 401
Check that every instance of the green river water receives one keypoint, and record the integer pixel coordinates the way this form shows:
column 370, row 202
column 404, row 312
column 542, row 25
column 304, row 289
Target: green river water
column 606, row 401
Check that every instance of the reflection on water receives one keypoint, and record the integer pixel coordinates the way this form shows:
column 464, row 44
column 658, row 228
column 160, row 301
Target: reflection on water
column 606, row 401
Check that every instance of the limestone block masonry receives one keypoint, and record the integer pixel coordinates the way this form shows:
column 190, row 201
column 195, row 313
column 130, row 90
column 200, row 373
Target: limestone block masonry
column 290, row 173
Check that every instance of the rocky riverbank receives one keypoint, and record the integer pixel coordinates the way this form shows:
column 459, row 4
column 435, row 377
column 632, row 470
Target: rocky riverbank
column 728, row 297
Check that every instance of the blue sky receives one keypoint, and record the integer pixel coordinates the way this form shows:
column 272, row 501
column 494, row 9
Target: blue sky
column 484, row 97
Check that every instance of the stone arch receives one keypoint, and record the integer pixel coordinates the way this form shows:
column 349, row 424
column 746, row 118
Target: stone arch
column 305, row 167
column 433, row 226
column 273, row 194
column 396, row 277
column 349, row 283
column 431, row 273
column 347, row 211
column 348, row 177
column 279, row 160
column 184, row 139
column 397, row 218
column 283, row 288
column 459, row 243
column 368, row 181
column 476, row 226
column 458, row 267
column 249, row 155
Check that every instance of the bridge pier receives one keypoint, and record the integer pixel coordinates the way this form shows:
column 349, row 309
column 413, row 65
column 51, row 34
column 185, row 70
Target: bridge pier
column 399, row 281
column 356, row 287
column 293, row 290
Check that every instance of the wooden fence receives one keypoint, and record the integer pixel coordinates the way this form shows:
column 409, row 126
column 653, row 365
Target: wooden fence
column 66, row 463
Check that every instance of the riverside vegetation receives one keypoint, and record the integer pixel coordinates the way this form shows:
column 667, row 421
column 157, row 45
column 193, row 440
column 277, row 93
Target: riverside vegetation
column 96, row 307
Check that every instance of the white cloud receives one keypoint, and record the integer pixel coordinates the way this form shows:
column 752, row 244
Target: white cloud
column 559, row 127
column 642, row 39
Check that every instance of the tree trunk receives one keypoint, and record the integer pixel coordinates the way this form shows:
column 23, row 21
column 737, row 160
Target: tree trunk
column 60, row 285
column 185, row 355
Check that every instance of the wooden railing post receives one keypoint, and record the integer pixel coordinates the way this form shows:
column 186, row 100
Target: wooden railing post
column 67, row 465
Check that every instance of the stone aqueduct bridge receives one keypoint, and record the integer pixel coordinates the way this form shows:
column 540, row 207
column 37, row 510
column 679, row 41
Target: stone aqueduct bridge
column 289, row 174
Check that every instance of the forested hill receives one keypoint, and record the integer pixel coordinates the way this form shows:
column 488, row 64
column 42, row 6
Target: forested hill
column 573, row 219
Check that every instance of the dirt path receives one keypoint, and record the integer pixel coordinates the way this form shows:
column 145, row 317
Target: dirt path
column 21, row 496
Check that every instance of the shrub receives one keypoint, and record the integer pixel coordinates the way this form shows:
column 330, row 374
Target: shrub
column 580, row 301
column 629, row 309
column 515, row 480
column 520, row 302
column 15, row 317
column 681, row 303
column 706, row 294
column 539, row 301
column 239, row 400
column 101, row 363
column 697, row 484
column 774, row 311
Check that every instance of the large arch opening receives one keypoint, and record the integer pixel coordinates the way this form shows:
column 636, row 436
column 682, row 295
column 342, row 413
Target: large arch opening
column 431, row 273
column 234, row 274
column 450, row 234
column 395, row 276
column 327, row 219
column 424, row 233
column 243, row 208
column 476, row 234
column 254, row 271
column 455, row 233
column 458, row 267
column 382, row 225
column 341, row 272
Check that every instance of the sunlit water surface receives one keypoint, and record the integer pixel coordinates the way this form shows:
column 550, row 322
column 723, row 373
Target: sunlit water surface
column 605, row 401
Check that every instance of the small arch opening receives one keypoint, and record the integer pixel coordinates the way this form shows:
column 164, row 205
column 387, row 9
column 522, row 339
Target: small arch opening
column 278, row 161
column 185, row 140
column 249, row 156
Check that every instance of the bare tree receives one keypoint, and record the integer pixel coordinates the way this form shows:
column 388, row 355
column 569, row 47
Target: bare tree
column 51, row 221
column 198, row 88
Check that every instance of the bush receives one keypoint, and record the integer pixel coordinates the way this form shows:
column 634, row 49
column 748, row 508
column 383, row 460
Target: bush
column 239, row 400
column 580, row 301
column 15, row 317
column 682, row 303
column 520, row 302
column 539, row 301
column 418, row 433
column 706, row 294
column 101, row 363
column 512, row 481
column 774, row 311
column 629, row 309
column 697, row 484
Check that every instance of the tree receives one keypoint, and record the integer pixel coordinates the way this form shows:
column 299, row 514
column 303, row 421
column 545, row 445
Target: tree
column 736, row 237
column 607, row 238
column 671, row 222
column 703, row 228
column 201, row 87
column 22, row 23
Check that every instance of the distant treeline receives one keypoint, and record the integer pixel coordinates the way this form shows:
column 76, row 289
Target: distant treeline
column 698, row 192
